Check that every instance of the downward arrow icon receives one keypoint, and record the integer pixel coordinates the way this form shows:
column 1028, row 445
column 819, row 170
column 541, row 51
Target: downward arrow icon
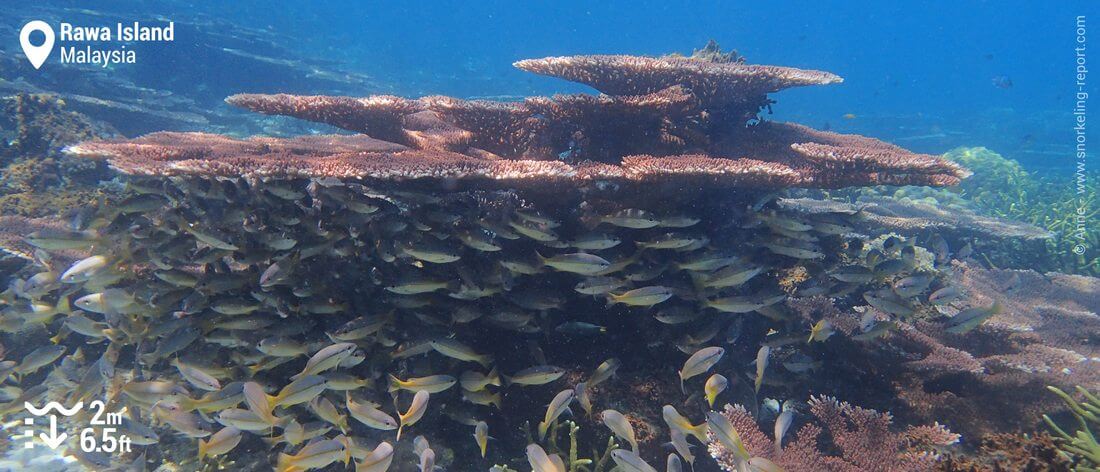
column 53, row 439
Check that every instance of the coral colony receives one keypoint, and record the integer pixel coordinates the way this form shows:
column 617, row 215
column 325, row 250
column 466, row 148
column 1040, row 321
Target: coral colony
column 526, row 270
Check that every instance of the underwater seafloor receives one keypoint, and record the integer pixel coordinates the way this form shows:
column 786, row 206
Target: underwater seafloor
column 655, row 278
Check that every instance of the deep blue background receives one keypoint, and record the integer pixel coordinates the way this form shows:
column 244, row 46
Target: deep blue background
column 920, row 74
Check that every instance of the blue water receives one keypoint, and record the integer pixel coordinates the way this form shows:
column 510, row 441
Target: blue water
column 927, row 75
column 919, row 73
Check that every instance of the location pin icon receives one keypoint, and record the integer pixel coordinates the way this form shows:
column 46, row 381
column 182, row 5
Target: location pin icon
column 36, row 54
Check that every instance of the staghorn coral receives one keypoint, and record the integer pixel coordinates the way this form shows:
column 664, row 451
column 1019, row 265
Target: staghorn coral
column 862, row 439
column 991, row 379
column 1010, row 452
column 668, row 121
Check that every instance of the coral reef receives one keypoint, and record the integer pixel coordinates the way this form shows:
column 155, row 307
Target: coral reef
column 1081, row 445
column 1010, row 452
column 1003, row 190
column 915, row 218
column 37, row 180
column 863, row 440
column 668, row 122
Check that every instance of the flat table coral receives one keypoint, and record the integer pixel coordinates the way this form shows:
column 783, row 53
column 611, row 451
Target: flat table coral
column 664, row 120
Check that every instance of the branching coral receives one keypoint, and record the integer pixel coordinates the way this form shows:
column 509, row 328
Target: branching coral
column 1082, row 444
column 862, row 439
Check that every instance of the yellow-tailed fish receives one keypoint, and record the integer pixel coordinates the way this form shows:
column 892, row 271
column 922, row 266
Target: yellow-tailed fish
column 577, row 263
column 325, row 410
column 645, row 296
column 583, row 397
column 414, row 413
column 220, row 443
column 620, row 426
column 537, row 375
column 314, row 455
column 557, row 406
column 680, row 443
column 430, row 384
column 675, row 420
column 327, row 358
column 378, row 460
column 761, row 363
column 604, row 371
column 462, row 352
column 820, row 331
column 628, row 461
column 715, row 385
column 481, row 436
column 196, row 377
column 369, row 414
column 700, row 363
column 541, row 462
column 259, row 403
column 727, row 435
column 474, row 381
column 782, row 424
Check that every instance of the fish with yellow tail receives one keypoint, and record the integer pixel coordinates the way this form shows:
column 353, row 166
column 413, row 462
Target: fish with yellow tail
column 430, row 384
column 541, row 462
column 314, row 455
column 700, row 363
column 620, row 426
column 378, row 460
column 821, row 331
column 220, row 443
column 481, row 436
column 715, row 385
column 727, row 435
column 557, row 406
column 629, row 461
column 414, row 413
column 762, row 357
column 645, row 296
column 676, row 421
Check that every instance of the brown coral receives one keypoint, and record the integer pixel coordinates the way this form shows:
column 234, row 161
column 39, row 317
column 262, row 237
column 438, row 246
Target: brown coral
column 863, row 439
column 665, row 120
column 712, row 82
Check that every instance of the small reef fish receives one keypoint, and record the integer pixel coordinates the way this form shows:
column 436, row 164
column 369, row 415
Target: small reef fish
column 537, row 375
column 628, row 461
column 481, row 436
column 820, row 331
column 620, row 426
column 715, row 385
column 577, row 263
column 457, row 350
column 430, row 384
column 475, row 381
column 676, row 421
column 369, row 414
column 314, row 456
column 378, row 460
column 645, row 296
column 557, row 406
column 604, row 371
column 699, row 363
column 727, row 435
column 541, row 462
column 415, row 411
column 761, row 364
column 782, row 424
column 968, row 319
column 220, row 442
